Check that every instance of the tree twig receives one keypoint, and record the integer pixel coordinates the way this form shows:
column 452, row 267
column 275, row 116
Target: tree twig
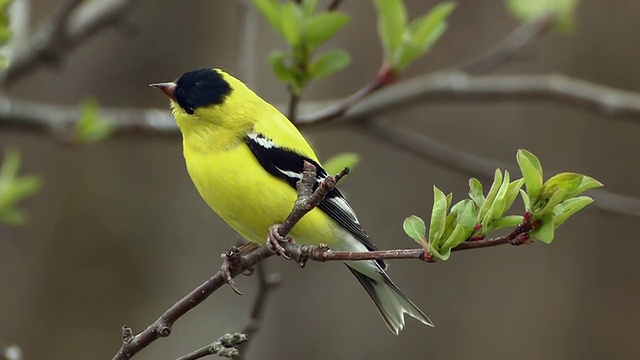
column 506, row 50
column 458, row 86
column 225, row 346
column 266, row 283
column 76, row 22
column 292, row 106
column 334, row 5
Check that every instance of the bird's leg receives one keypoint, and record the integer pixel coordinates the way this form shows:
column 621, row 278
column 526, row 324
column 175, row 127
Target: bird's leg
column 275, row 241
column 231, row 259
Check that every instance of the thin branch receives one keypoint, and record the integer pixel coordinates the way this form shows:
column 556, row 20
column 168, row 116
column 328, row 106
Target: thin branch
column 339, row 108
column 508, row 49
column 266, row 283
column 334, row 5
column 292, row 107
column 162, row 326
column 458, row 86
column 470, row 163
column 59, row 21
column 225, row 346
column 518, row 236
column 76, row 22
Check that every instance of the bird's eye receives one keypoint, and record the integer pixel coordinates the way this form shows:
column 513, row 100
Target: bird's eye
column 189, row 110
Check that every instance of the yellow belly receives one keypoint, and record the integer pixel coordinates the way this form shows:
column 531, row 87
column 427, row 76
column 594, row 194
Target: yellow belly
column 249, row 199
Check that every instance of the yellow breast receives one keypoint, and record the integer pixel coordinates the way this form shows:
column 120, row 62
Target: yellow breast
column 249, row 199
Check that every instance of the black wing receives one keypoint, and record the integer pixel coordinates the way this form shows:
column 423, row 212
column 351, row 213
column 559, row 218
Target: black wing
column 287, row 165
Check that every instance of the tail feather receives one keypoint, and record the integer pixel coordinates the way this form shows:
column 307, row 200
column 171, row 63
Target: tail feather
column 390, row 301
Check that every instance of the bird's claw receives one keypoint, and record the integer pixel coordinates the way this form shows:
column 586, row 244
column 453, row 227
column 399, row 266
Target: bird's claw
column 274, row 241
column 230, row 260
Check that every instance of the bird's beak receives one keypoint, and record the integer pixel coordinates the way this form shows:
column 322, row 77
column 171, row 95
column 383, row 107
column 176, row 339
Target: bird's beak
column 168, row 88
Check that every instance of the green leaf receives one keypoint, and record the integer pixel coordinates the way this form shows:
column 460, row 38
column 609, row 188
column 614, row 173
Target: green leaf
column 493, row 191
column 329, row 63
column 466, row 222
column 423, row 32
column 338, row 162
column 531, row 172
column 14, row 189
column 438, row 216
column 449, row 199
column 13, row 217
column 415, row 228
column 512, row 193
column 90, row 128
column 497, row 207
column 5, row 32
column 545, row 231
column 475, row 192
column 587, row 183
column 323, row 27
column 392, row 21
column 278, row 61
column 291, row 22
column 309, row 6
column 564, row 11
column 564, row 210
column 509, row 221
column 547, row 206
column 20, row 188
column 567, row 181
column 271, row 11
column 526, row 201
column 424, row 28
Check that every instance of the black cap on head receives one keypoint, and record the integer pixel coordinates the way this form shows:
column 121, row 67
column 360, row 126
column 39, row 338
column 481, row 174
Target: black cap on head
column 201, row 87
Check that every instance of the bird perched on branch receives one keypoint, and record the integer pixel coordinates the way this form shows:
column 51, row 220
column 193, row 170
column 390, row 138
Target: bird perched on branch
column 245, row 158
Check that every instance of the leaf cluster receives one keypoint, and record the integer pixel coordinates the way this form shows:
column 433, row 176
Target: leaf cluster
column 304, row 29
column 404, row 41
column 548, row 205
column 14, row 189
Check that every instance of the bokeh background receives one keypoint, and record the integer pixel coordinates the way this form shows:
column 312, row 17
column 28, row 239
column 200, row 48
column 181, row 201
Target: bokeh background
column 118, row 232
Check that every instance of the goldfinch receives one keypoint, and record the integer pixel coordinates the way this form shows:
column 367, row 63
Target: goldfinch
column 245, row 158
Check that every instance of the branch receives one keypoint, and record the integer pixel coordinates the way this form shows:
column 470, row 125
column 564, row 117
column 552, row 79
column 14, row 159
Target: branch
column 506, row 50
column 457, row 86
column 266, row 283
column 307, row 199
column 162, row 326
column 226, row 346
column 76, row 22
column 445, row 86
column 470, row 163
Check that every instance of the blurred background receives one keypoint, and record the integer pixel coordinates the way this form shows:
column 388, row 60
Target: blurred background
column 118, row 233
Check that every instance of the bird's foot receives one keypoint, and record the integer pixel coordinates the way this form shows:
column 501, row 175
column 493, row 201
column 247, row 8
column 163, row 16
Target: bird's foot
column 231, row 259
column 275, row 241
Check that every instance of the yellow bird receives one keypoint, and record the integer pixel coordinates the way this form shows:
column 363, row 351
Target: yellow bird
column 245, row 157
